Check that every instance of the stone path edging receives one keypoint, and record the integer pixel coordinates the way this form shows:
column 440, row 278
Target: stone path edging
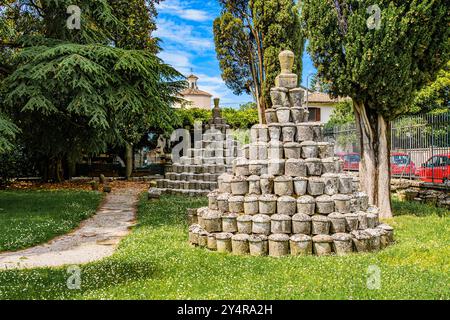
column 95, row 239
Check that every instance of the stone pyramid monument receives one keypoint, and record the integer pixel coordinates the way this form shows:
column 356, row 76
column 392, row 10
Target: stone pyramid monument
column 288, row 194
column 197, row 173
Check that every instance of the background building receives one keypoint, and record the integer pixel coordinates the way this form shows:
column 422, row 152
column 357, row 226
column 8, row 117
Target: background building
column 194, row 97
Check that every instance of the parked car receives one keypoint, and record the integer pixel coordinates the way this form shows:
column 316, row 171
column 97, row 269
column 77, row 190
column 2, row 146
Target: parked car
column 436, row 169
column 401, row 164
column 351, row 160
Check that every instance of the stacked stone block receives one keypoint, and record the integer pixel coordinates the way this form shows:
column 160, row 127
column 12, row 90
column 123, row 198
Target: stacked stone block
column 288, row 194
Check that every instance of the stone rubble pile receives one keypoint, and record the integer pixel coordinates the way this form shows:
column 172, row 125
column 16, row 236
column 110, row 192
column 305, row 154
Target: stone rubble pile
column 288, row 194
column 197, row 173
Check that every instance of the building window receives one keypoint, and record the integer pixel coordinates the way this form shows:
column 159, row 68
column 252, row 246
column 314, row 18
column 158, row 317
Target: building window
column 314, row 114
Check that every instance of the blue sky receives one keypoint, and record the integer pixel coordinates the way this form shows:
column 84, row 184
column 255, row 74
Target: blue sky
column 185, row 28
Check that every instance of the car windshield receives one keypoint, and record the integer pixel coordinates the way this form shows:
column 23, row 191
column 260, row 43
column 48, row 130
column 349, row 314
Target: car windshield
column 400, row 159
column 352, row 158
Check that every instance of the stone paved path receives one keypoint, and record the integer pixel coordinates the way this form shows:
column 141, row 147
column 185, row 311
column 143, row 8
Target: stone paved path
column 96, row 238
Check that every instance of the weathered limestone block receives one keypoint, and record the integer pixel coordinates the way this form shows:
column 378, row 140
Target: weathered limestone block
column 212, row 243
column 236, row 204
column 292, row 150
column 361, row 240
column 342, row 203
column 203, row 239
column 324, row 205
column 275, row 150
column 339, row 165
column 375, row 239
column 297, row 114
column 389, row 230
column 259, row 133
column 258, row 151
column 274, row 132
column 310, row 149
column 267, row 204
column 222, row 202
column 306, row 204
column 345, row 183
column 300, row 245
column 192, row 216
column 314, row 166
column 283, row 114
column 296, row 97
column 261, row 224
column 152, row 193
column 212, row 221
column 258, row 167
column 296, row 168
column 278, row 245
column 286, row 205
column 258, row 245
column 278, row 95
column 329, row 166
column 224, row 181
column 300, row 185
column 326, row 150
column 244, row 224
column 194, row 230
column 281, row 223
column 320, row 224
column 271, row 116
column 239, row 185
column 241, row 167
column 266, row 183
column 283, row 186
column 362, row 220
column 229, row 222
column 304, row 132
column 288, row 131
column 337, row 222
column 331, row 181
column 254, row 186
column 354, row 205
column 239, row 244
column 223, row 242
column 363, row 200
column 322, row 244
column 301, row 224
column 372, row 220
column 251, row 205
column 342, row 243
column 316, row 186
column 212, row 200
column 276, row 167
column 351, row 222
column 384, row 238
column 356, row 184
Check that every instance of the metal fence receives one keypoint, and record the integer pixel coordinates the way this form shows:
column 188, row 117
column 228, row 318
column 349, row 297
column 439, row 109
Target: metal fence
column 420, row 147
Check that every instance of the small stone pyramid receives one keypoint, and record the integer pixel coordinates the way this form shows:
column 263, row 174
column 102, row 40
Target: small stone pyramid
column 197, row 173
column 288, row 194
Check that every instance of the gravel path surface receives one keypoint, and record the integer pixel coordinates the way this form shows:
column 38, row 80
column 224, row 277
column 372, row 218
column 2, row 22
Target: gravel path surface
column 95, row 239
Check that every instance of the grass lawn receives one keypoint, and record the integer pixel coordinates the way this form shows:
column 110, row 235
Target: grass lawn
column 156, row 262
column 28, row 218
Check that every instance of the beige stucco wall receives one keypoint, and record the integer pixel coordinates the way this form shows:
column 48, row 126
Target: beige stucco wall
column 195, row 101
column 325, row 111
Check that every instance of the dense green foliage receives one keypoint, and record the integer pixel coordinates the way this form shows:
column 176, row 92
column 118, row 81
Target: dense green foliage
column 342, row 114
column 248, row 36
column 70, row 91
column 243, row 118
column 156, row 262
column 29, row 218
column 435, row 96
column 381, row 68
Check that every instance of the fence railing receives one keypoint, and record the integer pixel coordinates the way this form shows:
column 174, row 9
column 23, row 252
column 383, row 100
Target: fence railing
column 420, row 147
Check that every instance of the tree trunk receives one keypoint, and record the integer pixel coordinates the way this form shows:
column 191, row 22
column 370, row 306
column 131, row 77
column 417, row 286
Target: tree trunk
column 375, row 157
column 128, row 161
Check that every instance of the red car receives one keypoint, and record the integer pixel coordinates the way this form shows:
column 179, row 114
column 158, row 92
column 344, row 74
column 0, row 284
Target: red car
column 401, row 164
column 351, row 160
column 436, row 169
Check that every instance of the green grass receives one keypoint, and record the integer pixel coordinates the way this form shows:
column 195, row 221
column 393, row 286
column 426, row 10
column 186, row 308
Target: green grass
column 156, row 262
column 28, row 218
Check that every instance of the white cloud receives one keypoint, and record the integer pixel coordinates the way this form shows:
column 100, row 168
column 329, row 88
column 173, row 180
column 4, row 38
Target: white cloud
column 175, row 8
